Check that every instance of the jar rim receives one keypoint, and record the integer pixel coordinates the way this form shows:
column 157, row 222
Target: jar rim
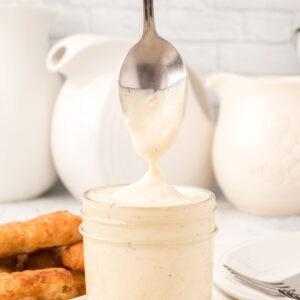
column 127, row 223
column 210, row 197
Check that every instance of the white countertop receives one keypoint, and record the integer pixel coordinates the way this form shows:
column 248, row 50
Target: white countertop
column 234, row 226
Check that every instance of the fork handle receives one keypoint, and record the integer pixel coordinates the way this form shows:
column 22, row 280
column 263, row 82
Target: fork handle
column 149, row 24
column 266, row 291
column 290, row 294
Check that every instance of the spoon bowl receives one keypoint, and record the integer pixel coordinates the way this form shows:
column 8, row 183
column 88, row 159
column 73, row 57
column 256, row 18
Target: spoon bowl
column 153, row 63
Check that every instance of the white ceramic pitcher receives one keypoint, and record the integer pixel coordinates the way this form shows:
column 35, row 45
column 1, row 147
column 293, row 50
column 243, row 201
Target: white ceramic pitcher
column 27, row 92
column 91, row 146
column 256, row 150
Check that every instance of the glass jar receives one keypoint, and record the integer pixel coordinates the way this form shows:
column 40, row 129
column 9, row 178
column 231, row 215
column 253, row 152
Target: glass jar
column 155, row 253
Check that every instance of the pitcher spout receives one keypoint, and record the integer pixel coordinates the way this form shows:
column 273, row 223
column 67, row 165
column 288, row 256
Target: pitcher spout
column 84, row 54
column 67, row 55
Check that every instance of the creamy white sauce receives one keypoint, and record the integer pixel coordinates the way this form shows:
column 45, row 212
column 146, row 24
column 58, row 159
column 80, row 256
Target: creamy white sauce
column 153, row 119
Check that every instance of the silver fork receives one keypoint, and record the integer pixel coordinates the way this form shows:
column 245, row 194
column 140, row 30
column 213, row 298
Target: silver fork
column 289, row 287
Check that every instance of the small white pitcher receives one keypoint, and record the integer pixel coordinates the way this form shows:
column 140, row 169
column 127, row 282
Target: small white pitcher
column 256, row 152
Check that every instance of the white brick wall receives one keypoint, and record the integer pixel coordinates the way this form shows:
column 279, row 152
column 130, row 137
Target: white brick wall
column 244, row 36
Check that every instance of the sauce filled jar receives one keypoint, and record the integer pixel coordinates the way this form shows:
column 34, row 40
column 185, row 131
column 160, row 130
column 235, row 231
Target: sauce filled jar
column 148, row 252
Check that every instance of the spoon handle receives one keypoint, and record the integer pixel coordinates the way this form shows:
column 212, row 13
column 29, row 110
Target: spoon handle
column 149, row 25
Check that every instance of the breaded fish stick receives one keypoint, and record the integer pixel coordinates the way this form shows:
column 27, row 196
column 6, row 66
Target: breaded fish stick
column 72, row 257
column 51, row 230
column 79, row 283
column 46, row 284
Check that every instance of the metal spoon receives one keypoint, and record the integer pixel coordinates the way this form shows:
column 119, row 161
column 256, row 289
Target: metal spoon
column 153, row 63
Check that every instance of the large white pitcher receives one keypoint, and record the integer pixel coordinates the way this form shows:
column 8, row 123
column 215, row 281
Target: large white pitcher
column 256, row 152
column 90, row 142
column 27, row 92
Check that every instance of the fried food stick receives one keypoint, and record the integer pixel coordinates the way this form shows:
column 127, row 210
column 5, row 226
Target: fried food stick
column 79, row 283
column 46, row 284
column 72, row 257
column 51, row 230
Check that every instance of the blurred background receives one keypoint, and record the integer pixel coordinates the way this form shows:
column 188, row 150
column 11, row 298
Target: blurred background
column 248, row 37
column 251, row 37
column 239, row 36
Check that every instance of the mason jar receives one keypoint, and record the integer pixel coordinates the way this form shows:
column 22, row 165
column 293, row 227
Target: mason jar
column 142, row 252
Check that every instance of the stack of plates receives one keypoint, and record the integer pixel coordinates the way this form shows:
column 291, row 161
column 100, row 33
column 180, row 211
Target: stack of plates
column 269, row 259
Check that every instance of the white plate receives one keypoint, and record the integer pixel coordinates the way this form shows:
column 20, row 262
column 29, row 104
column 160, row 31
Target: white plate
column 272, row 258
